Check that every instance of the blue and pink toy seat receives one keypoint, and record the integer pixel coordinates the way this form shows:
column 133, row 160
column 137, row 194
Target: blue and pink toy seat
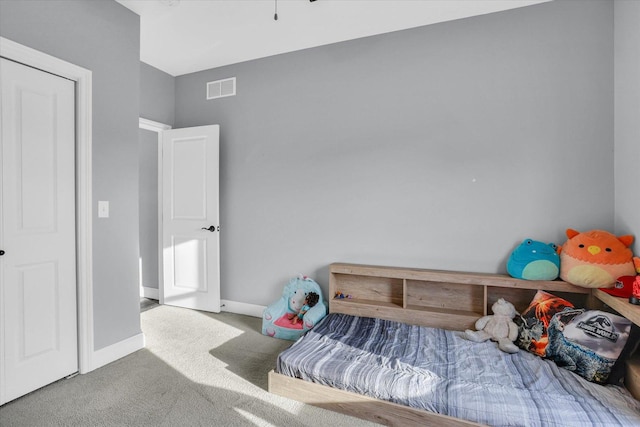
column 276, row 319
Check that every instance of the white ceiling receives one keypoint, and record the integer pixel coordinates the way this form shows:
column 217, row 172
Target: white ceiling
column 185, row 36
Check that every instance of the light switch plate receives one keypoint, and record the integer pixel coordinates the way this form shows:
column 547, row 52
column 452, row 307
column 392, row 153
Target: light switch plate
column 103, row 209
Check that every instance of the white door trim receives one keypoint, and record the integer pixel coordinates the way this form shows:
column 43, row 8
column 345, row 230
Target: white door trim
column 152, row 126
column 157, row 127
column 83, row 78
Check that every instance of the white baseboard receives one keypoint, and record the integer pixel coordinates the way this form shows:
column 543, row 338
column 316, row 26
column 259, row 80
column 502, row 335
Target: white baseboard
column 152, row 293
column 116, row 351
column 242, row 308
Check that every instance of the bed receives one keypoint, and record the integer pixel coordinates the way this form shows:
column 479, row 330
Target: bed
column 391, row 352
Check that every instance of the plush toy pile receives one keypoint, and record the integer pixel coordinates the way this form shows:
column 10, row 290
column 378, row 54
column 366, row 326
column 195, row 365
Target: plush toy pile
column 591, row 259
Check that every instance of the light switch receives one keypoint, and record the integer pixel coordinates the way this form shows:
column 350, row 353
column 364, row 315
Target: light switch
column 103, row 209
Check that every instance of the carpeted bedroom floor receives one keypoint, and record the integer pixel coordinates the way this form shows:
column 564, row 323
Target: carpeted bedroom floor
column 197, row 369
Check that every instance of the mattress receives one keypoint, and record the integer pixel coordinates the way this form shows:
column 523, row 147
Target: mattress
column 439, row 371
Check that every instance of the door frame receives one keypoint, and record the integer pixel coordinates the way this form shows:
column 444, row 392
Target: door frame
column 84, row 238
column 157, row 127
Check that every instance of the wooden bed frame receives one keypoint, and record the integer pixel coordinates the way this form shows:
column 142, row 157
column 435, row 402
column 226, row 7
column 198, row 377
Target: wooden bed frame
column 442, row 299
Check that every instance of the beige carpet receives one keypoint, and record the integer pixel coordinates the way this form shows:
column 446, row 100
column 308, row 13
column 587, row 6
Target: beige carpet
column 198, row 369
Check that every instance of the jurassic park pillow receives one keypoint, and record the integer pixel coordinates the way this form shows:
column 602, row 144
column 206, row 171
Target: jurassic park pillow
column 619, row 369
column 534, row 321
column 587, row 342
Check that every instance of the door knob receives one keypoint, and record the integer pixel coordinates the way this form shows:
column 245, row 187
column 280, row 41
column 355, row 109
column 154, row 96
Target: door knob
column 1, row 252
column 211, row 228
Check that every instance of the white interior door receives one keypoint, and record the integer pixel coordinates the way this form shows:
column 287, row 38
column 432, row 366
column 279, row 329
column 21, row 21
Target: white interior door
column 190, row 225
column 38, row 329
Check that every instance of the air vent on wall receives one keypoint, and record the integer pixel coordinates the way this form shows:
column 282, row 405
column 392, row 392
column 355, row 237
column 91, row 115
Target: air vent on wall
column 221, row 88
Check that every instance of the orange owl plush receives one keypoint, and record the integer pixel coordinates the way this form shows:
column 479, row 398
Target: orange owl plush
column 596, row 258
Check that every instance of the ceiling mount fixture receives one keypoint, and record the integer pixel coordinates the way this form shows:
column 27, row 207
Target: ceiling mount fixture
column 275, row 15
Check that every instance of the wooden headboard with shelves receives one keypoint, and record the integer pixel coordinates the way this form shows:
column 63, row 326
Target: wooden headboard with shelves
column 455, row 300
column 437, row 298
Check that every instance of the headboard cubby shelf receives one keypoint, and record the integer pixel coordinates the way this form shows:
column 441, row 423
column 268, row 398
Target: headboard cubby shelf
column 443, row 299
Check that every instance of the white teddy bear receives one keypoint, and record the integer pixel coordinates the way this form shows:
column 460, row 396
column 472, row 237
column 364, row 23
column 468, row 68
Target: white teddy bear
column 499, row 327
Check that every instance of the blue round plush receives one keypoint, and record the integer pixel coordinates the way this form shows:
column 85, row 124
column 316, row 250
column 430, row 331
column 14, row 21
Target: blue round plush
column 534, row 260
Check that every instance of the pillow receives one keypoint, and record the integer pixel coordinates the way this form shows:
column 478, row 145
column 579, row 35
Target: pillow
column 587, row 342
column 534, row 321
column 619, row 369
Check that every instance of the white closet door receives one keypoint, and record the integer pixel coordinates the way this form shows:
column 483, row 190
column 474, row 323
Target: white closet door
column 38, row 330
column 190, row 227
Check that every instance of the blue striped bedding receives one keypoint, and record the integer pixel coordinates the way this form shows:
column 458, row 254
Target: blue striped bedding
column 439, row 371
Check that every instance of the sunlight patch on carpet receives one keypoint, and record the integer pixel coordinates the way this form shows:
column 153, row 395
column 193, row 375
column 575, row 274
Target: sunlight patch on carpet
column 177, row 335
column 254, row 419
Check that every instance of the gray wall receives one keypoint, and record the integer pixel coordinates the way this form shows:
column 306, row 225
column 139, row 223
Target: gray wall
column 441, row 146
column 157, row 95
column 157, row 103
column 627, row 125
column 148, row 204
column 103, row 37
